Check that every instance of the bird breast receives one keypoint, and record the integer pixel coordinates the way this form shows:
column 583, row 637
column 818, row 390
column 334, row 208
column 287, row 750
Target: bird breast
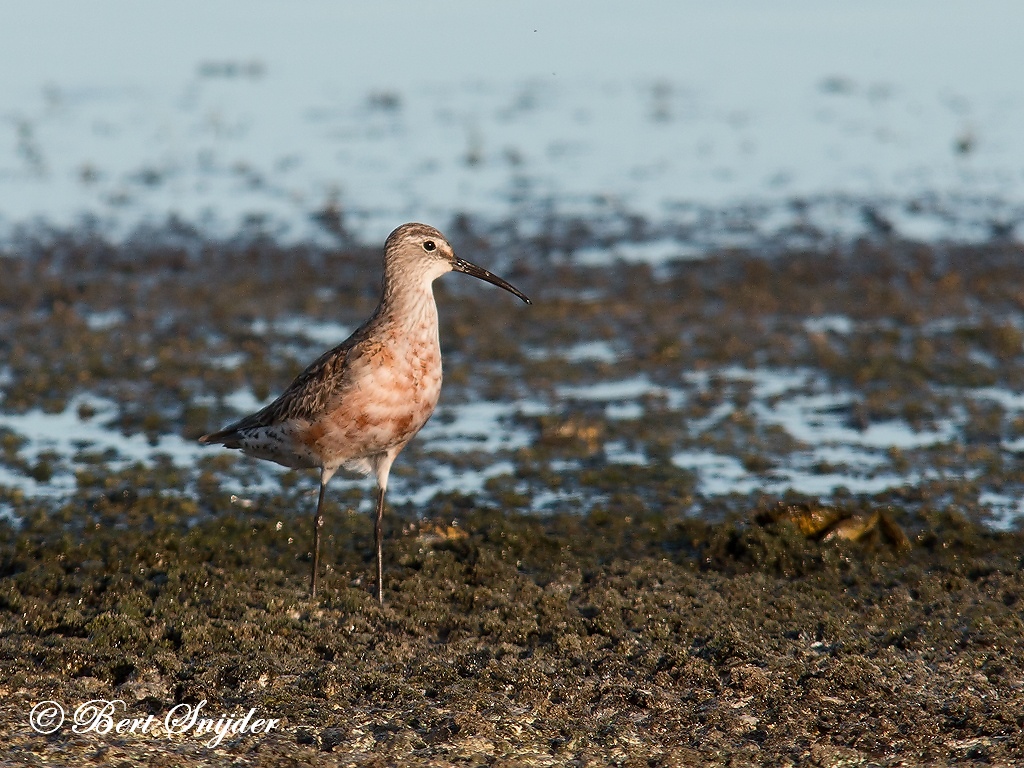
column 393, row 387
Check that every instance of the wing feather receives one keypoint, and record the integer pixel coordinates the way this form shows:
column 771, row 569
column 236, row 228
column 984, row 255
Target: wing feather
column 311, row 394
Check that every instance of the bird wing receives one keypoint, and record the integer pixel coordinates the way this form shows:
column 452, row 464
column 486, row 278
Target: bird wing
column 311, row 394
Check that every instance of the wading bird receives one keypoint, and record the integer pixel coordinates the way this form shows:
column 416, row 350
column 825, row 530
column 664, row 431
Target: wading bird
column 360, row 403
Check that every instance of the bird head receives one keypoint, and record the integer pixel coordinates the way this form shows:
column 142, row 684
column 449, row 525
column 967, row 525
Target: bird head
column 417, row 251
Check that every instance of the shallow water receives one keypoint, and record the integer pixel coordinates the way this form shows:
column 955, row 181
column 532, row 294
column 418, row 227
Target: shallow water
column 610, row 172
column 827, row 454
column 847, row 120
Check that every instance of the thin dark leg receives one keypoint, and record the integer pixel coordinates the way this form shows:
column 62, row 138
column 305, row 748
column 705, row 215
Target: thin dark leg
column 318, row 523
column 378, row 535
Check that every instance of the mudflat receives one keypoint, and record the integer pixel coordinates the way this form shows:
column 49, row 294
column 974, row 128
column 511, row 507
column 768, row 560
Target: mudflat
column 615, row 583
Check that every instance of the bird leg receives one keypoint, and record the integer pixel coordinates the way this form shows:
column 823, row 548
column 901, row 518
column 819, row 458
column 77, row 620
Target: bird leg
column 318, row 523
column 379, row 537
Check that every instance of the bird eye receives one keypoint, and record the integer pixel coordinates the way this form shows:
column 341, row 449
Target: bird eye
column 428, row 245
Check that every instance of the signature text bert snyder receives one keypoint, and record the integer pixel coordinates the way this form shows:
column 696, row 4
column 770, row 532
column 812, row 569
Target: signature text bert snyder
column 102, row 716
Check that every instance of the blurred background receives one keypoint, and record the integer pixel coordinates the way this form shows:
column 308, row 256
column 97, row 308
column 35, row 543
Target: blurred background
column 267, row 115
column 743, row 225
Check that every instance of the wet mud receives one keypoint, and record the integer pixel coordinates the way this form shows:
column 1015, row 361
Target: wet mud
column 639, row 614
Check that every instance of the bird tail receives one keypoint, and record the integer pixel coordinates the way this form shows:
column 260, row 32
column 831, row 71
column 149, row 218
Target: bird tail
column 229, row 438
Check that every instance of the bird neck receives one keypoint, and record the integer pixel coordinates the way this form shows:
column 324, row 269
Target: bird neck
column 409, row 305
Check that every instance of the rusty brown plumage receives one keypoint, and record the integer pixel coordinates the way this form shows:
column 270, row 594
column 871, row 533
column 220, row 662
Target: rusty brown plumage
column 359, row 404
column 309, row 396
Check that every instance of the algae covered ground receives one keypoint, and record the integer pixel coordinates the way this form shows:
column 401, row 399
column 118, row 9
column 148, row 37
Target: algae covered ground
column 611, row 584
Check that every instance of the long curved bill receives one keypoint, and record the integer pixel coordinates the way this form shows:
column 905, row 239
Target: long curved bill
column 459, row 265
